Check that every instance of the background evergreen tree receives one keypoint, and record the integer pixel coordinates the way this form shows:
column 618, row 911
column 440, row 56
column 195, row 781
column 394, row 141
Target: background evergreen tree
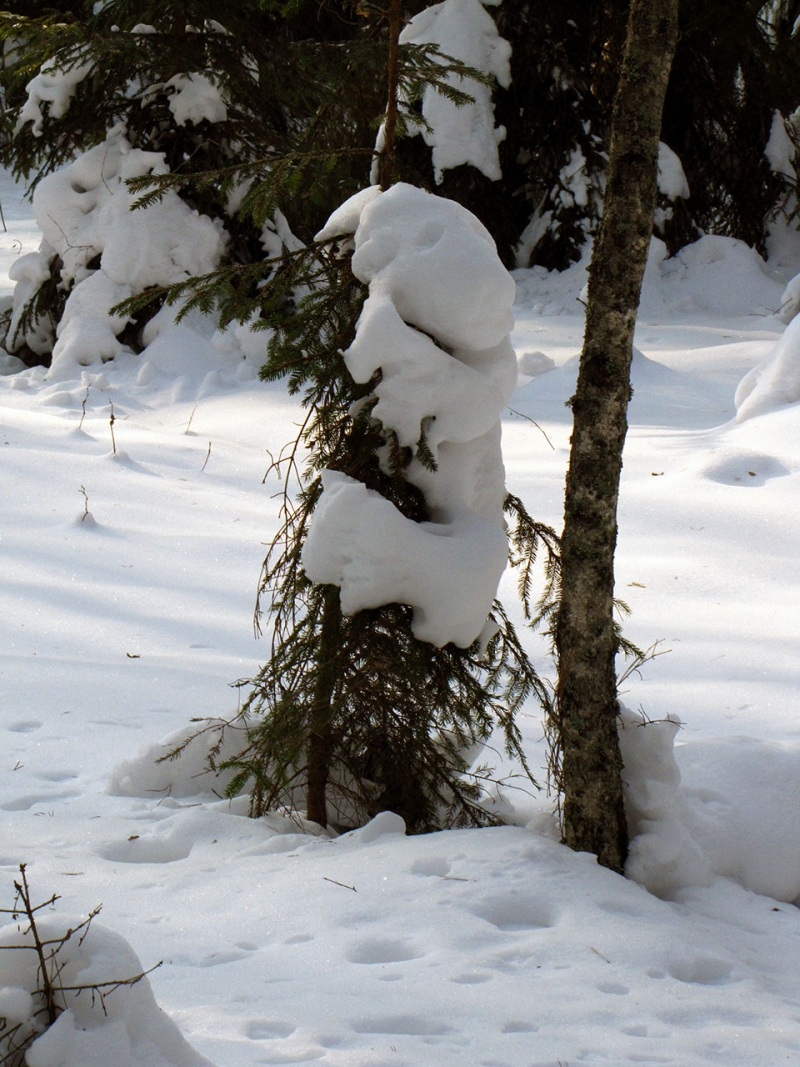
column 734, row 67
column 285, row 93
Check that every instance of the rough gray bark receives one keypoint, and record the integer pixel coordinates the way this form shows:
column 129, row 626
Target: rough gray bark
column 590, row 769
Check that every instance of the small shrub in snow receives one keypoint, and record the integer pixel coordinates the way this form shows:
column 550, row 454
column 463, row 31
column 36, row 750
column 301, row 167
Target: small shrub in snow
column 73, row 994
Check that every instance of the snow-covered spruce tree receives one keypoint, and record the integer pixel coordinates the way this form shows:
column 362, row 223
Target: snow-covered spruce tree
column 376, row 703
column 125, row 90
column 392, row 664
column 391, row 660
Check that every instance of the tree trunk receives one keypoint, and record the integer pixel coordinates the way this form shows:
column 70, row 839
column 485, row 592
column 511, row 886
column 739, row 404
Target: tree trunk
column 320, row 742
column 594, row 817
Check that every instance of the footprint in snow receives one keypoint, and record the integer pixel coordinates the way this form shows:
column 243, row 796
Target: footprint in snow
column 431, row 866
column 380, row 950
column 614, row 989
column 732, row 466
column 472, row 978
column 412, row 1025
column 147, row 850
column 268, row 1029
column 24, row 803
column 701, row 970
column 511, row 913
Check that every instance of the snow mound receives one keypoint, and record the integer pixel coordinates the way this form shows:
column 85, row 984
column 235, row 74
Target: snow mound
column 186, row 774
column 663, row 856
column 743, row 802
column 115, row 1025
column 532, row 364
column 712, row 276
column 717, row 275
column 724, row 806
column 775, row 381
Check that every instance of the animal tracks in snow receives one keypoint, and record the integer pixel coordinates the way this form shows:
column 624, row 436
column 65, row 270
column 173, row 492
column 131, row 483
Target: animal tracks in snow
column 701, row 970
column 516, row 914
column 25, row 726
column 379, row 950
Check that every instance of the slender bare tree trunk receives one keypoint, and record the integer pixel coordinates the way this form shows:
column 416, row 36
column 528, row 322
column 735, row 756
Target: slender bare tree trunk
column 594, row 817
column 319, row 734
column 387, row 164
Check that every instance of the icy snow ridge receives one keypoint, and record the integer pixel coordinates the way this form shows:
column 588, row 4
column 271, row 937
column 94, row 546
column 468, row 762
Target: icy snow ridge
column 436, row 324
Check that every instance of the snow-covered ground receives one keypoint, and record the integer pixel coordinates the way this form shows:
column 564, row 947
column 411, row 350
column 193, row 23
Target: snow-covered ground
column 492, row 948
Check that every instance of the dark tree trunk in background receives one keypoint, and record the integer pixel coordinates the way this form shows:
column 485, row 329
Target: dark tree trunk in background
column 319, row 733
column 594, row 816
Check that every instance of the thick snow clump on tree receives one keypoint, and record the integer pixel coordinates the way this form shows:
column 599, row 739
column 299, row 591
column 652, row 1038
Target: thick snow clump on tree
column 195, row 99
column 124, row 1027
column 463, row 135
column 107, row 251
column 672, row 181
column 52, row 89
column 436, row 325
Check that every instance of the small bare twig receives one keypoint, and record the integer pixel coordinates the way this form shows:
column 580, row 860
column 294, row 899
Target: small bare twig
column 112, row 419
column 85, row 496
column 189, row 423
column 638, row 661
column 24, row 897
column 208, row 456
column 83, row 408
column 342, row 884
column 533, row 422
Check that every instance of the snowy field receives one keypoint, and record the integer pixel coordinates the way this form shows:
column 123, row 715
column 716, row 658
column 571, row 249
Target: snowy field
column 489, row 948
